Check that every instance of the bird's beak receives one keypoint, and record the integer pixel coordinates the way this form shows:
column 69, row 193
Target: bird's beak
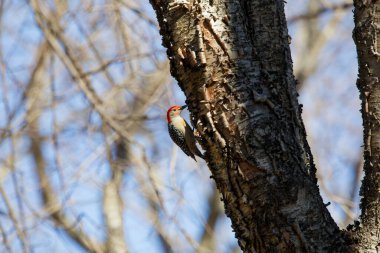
column 183, row 107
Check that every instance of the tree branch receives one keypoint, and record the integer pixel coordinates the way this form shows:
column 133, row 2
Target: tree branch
column 366, row 36
column 50, row 202
column 60, row 47
column 319, row 12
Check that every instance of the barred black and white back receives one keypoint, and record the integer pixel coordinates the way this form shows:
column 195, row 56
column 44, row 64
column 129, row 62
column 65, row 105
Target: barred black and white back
column 179, row 138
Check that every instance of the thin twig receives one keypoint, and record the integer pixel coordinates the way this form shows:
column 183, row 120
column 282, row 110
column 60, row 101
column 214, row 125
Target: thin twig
column 323, row 10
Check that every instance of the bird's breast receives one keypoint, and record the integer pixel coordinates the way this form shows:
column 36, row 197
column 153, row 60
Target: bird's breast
column 179, row 123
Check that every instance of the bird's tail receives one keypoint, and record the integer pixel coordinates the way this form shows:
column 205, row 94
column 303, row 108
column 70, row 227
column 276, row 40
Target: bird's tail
column 199, row 153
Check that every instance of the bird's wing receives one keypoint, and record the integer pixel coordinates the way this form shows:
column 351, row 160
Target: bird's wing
column 190, row 141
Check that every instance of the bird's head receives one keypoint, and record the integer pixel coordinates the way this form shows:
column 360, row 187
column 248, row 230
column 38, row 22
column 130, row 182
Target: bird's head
column 174, row 111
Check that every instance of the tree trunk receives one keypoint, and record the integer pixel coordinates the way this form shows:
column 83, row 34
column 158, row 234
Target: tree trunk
column 367, row 39
column 232, row 60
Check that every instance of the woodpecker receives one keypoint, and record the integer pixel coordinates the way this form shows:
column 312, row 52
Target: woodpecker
column 181, row 133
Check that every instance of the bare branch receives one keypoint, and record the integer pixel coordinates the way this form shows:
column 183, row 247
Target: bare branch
column 55, row 41
column 321, row 11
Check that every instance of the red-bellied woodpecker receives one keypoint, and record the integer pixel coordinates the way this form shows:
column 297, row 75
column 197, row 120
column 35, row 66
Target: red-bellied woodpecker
column 181, row 133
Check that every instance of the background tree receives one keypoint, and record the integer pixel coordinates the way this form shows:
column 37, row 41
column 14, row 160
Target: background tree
column 86, row 160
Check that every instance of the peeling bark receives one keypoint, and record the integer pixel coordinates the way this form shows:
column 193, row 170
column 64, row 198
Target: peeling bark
column 366, row 35
column 232, row 60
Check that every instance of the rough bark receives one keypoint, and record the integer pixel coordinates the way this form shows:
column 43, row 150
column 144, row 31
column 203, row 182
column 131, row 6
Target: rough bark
column 232, row 60
column 366, row 36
